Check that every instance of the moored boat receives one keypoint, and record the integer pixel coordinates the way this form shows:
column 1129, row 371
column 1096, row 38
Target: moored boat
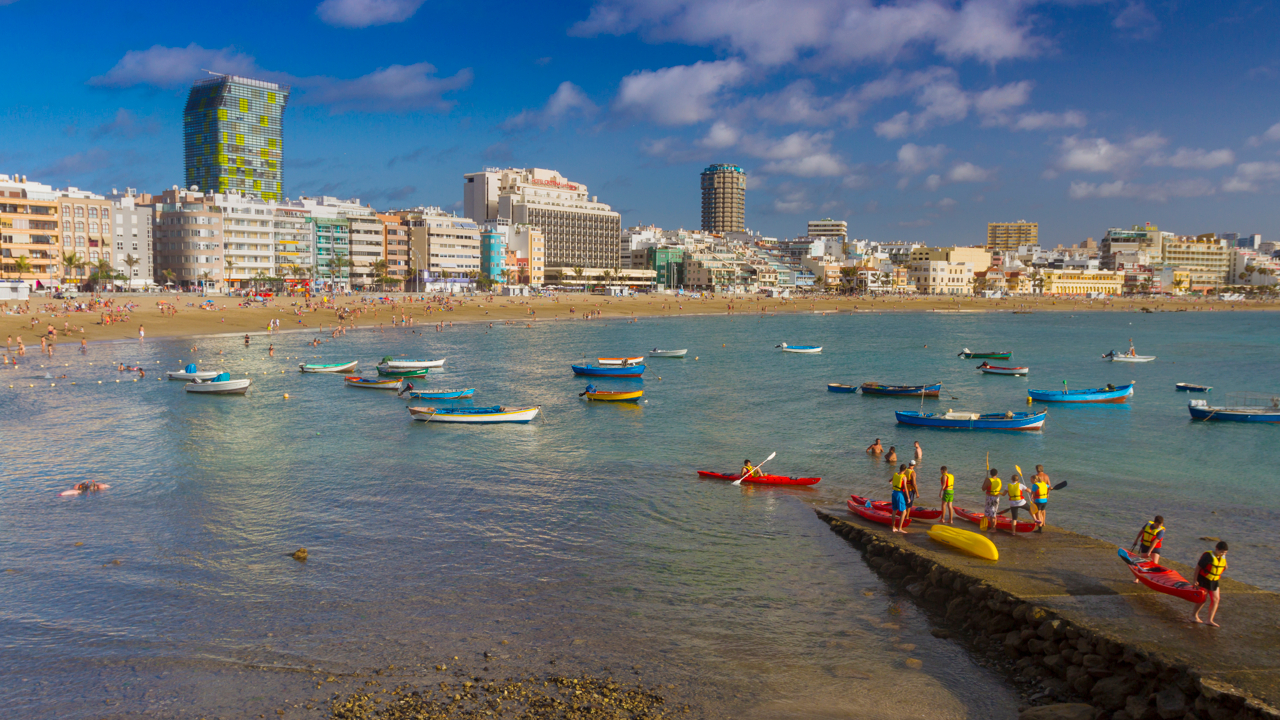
column 761, row 479
column 372, row 383
column 810, row 349
column 975, row 421
column 495, row 414
column 327, row 367
column 1191, row 387
column 1240, row 407
column 874, row 388
column 386, row 371
column 1108, row 394
column 614, row 395
column 191, row 372
column 991, row 355
column 393, row 364
column 1131, row 356
column 622, row 362
column 221, row 384
column 841, row 388
column 997, row 370
column 621, row 371
column 441, row 394
column 668, row 353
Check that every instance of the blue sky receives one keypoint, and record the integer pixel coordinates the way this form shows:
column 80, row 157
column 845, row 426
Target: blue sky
column 914, row 120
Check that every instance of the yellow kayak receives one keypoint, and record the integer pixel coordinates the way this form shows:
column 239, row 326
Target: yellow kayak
column 969, row 542
column 627, row 396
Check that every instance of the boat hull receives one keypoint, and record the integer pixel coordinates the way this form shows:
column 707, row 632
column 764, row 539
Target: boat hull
column 359, row 382
column 1162, row 579
column 991, row 421
column 333, row 368
column 1002, row 522
column 841, row 388
column 761, row 479
column 878, row 516
column 909, row 390
column 1121, row 394
column 1129, row 358
column 413, row 364
column 803, row 349
column 619, row 362
column 992, row 370
column 1189, row 387
column 615, row 396
column 986, row 355
column 629, row 371
column 919, row 513
column 402, row 373
column 201, row 375
column 441, row 394
column 238, row 386
column 501, row 415
column 1224, row 414
column 964, row 541
column 667, row 353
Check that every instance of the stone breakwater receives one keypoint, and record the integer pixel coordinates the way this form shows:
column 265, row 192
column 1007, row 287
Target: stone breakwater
column 1104, row 641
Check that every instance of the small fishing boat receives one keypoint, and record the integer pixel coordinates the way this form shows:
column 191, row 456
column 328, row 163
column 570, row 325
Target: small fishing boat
column 620, row 362
column 621, row 371
column 1240, row 407
column 221, row 384
column 1190, row 387
column 841, row 388
column 372, row 383
column 965, row 541
column 495, row 414
column 1002, row 522
column 614, row 395
column 441, row 394
column 997, row 370
column 761, row 479
column 873, row 388
column 994, row 355
column 1162, row 579
column 668, row 353
column 1108, row 394
column 386, row 371
column 327, row 367
column 1130, row 357
column 393, row 364
column 919, row 513
column 975, row 421
column 191, row 372
column 810, row 349
column 884, row 517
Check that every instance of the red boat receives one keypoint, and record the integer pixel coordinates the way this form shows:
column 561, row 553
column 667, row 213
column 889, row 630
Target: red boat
column 761, row 479
column 1002, row 523
column 916, row 512
column 1162, row 579
column 874, row 515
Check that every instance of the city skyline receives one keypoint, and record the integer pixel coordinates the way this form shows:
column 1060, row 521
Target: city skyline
column 946, row 120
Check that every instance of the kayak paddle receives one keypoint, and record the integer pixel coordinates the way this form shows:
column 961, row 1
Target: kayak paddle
column 744, row 477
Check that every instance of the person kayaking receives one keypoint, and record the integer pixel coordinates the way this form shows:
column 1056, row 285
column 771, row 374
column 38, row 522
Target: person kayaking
column 89, row 487
column 892, row 456
column 1018, row 500
column 912, row 489
column 749, row 470
column 1040, row 497
column 899, row 499
column 991, row 488
column 875, row 448
column 946, row 495
column 1208, row 572
column 1149, row 540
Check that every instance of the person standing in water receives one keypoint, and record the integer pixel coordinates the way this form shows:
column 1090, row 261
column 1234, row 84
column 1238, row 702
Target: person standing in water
column 947, row 495
column 1208, row 572
column 899, row 500
column 991, row 489
column 919, row 452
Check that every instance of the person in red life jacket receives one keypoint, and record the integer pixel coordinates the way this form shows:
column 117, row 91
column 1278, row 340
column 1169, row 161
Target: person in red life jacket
column 1149, row 540
column 1208, row 572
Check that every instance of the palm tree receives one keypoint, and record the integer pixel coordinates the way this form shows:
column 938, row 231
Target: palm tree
column 204, row 280
column 578, row 270
column 379, row 268
column 21, row 265
column 70, row 261
column 259, row 278
column 132, row 261
column 506, row 275
column 168, row 275
column 226, row 262
column 103, row 270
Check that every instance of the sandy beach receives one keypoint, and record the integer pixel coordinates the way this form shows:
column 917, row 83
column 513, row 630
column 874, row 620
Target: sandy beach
column 233, row 315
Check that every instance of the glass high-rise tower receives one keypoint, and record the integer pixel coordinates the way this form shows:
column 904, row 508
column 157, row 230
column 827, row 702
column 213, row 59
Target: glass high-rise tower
column 233, row 136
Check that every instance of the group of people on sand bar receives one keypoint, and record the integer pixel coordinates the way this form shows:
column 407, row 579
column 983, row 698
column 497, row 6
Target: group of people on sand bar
column 1209, row 568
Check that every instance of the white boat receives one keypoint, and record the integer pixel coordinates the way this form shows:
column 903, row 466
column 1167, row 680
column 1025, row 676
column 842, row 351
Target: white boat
column 620, row 362
column 1115, row 357
column 391, row 364
column 327, row 368
column 220, row 385
column 800, row 348
column 190, row 373
column 667, row 353
column 495, row 414
column 997, row 370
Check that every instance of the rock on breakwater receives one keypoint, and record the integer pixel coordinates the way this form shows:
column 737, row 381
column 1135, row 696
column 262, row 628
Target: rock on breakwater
column 1078, row 626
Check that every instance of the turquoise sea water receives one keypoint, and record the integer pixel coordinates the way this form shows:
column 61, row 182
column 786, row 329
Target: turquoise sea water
column 584, row 537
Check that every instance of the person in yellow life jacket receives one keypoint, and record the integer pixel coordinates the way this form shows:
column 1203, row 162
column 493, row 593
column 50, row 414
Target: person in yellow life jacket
column 1019, row 499
column 947, row 494
column 1208, row 572
column 749, row 470
column 991, row 487
column 912, row 489
column 899, row 500
column 1149, row 540
column 1039, row 497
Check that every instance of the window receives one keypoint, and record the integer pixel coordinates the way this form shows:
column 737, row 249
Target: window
column 66, row 210
column 106, row 214
column 79, row 212
column 79, row 241
column 93, row 213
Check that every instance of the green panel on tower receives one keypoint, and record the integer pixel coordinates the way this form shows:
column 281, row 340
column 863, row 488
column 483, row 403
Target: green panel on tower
column 233, row 136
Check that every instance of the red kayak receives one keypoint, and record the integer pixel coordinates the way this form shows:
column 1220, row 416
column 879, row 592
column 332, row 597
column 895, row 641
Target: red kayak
column 761, row 479
column 1162, row 579
column 1002, row 522
column 916, row 512
column 874, row 515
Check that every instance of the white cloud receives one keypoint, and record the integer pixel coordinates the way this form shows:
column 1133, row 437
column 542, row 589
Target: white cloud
column 947, row 203
column 678, row 95
column 803, row 154
column 566, row 102
column 1048, row 120
column 1250, row 176
column 125, row 124
column 997, row 100
column 913, row 159
column 1137, row 21
column 943, row 102
column 827, row 32
column 895, row 127
column 799, row 104
column 933, row 182
column 1101, row 155
column 365, row 13
column 1197, row 159
column 168, row 67
column 1158, row 192
column 791, row 201
column 720, row 136
column 1271, row 135
column 968, row 172
column 816, row 165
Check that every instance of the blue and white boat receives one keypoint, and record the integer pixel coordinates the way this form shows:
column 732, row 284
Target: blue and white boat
column 975, row 421
column 440, row 394
column 495, row 414
column 810, row 349
column 1108, row 394
column 618, row 371
column 1240, row 407
column 841, row 388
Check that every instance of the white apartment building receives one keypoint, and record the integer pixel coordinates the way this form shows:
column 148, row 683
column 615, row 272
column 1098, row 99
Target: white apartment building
column 249, row 238
column 578, row 229
column 357, row 239
column 442, row 246
column 829, row 228
column 1249, row 267
column 946, row 271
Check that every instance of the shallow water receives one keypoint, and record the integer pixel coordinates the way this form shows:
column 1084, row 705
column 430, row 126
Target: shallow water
column 584, row 537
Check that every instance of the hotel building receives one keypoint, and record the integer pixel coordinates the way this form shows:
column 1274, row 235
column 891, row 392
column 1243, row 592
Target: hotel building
column 233, row 136
column 829, row 228
column 442, row 246
column 724, row 199
column 1009, row 236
